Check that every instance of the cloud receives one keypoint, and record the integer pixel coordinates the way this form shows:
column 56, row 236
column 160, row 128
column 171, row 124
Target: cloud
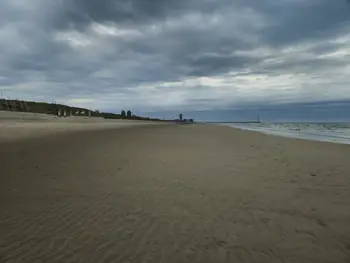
column 156, row 55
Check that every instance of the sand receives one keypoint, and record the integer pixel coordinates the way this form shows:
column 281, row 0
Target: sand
column 173, row 193
column 16, row 126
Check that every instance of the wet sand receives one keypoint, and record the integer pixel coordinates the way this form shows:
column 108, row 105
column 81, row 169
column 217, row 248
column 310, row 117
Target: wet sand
column 173, row 193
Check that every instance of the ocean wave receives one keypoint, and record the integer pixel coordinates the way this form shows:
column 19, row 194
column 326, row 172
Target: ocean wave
column 329, row 132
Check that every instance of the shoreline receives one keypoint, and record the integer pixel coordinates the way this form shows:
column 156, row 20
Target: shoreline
column 26, row 128
column 300, row 135
column 45, row 124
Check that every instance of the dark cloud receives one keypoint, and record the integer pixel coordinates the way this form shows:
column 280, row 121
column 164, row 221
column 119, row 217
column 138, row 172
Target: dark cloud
column 78, row 13
column 118, row 50
column 206, row 65
column 303, row 20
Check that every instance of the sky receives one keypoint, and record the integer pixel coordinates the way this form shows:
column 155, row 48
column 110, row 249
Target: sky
column 170, row 56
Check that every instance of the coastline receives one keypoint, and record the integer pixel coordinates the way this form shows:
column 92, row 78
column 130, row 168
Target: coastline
column 337, row 134
column 174, row 193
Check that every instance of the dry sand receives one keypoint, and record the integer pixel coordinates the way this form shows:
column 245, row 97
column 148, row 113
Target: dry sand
column 16, row 126
column 174, row 193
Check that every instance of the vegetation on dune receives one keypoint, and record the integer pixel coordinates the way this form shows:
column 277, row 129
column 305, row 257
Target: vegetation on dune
column 64, row 110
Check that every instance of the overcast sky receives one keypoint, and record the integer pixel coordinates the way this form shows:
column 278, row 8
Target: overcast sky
column 156, row 55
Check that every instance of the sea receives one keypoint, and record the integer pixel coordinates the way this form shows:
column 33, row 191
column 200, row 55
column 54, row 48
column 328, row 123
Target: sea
column 318, row 131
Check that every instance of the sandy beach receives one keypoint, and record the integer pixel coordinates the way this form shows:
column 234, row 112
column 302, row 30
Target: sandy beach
column 18, row 126
column 171, row 193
